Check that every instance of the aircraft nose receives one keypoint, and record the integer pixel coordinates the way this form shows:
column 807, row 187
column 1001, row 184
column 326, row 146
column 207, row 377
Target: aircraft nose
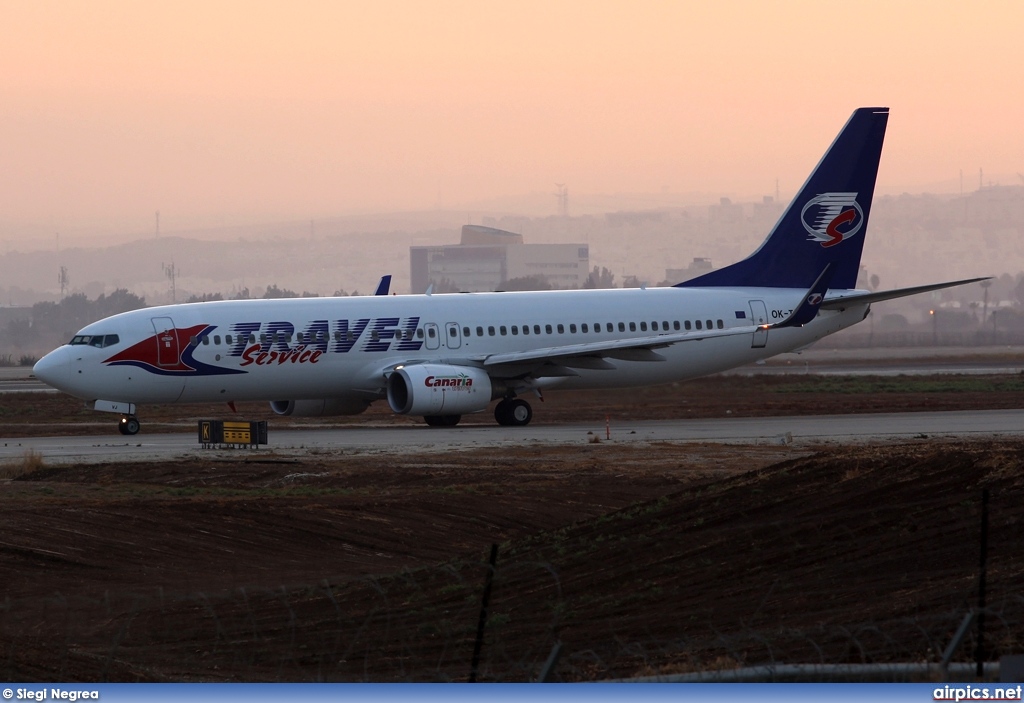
column 54, row 369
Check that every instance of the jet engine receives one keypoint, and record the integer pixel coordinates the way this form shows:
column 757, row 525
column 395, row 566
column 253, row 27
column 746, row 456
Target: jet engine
column 319, row 408
column 438, row 389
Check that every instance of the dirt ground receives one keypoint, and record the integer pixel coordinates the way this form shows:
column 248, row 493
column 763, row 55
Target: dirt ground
column 639, row 560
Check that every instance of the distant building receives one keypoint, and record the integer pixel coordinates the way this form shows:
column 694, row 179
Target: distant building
column 487, row 258
column 699, row 267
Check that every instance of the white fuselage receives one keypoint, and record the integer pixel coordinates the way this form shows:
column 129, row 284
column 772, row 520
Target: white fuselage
column 250, row 350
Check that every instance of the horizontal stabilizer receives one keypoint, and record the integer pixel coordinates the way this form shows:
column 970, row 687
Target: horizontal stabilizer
column 842, row 302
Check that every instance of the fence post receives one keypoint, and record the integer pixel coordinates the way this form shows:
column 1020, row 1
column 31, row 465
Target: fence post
column 979, row 655
column 478, row 645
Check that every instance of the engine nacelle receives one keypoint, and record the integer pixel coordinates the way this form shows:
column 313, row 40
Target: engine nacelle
column 438, row 389
column 319, row 408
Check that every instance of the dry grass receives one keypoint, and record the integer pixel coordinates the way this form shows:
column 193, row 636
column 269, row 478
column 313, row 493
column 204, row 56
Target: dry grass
column 31, row 461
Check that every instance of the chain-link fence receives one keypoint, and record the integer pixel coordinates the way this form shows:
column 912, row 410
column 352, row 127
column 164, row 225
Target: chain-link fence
column 421, row 626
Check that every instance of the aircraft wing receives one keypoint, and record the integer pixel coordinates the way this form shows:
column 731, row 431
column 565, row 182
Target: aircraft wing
column 591, row 355
column 840, row 302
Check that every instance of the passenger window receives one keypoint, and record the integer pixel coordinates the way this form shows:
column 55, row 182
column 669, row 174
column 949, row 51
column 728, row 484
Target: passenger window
column 622, row 327
column 206, row 339
column 664, row 325
column 687, row 324
column 526, row 329
column 300, row 338
column 503, row 330
column 216, row 339
column 536, row 329
column 710, row 326
column 465, row 332
column 654, row 325
column 572, row 329
column 490, row 331
column 584, row 328
column 430, row 333
column 675, row 325
column 643, row 326
column 721, row 325
column 479, row 331
column 632, row 327
column 193, row 341
column 252, row 339
column 547, row 328
column 698, row 324
column 419, row 334
column 374, row 336
column 515, row 330
column 610, row 328
column 561, row 329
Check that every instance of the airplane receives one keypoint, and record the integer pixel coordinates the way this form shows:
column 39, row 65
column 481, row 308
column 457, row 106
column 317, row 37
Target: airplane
column 442, row 356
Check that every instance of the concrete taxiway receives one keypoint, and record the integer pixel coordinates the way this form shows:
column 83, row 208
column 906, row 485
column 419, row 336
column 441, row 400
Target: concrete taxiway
column 419, row 439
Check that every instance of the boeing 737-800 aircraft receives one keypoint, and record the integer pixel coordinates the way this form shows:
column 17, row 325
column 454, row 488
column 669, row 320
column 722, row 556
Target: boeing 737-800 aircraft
column 443, row 356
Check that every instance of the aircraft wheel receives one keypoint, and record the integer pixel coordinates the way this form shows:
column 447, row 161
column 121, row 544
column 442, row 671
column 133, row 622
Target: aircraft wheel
column 501, row 411
column 442, row 420
column 513, row 412
column 520, row 413
column 129, row 425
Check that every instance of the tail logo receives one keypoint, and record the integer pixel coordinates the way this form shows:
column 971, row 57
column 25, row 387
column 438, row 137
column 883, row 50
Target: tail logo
column 831, row 218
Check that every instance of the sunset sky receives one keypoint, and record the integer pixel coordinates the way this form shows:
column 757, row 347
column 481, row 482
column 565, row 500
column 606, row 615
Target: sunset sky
column 217, row 112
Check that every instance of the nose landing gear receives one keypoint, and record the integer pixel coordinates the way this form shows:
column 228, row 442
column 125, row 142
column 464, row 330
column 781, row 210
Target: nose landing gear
column 129, row 425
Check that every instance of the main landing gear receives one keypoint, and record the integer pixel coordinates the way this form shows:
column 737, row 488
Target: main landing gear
column 511, row 412
column 514, row 412
column 129, row 425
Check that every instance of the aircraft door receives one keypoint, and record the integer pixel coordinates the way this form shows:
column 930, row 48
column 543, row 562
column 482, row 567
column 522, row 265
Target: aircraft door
column 433, row 337
column 759, row 313
column 453, row 335
column 168, row 351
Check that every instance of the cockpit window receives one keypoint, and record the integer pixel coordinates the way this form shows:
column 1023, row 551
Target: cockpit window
column 95, row 340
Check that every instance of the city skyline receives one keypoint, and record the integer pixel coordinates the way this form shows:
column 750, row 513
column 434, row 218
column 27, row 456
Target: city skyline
column 228, row 113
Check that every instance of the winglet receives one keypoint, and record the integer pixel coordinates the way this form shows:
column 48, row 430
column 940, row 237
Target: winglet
column 807, row 310
column 384, row 286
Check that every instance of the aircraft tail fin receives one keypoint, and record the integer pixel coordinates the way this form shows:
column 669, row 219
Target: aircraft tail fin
column 825, row 224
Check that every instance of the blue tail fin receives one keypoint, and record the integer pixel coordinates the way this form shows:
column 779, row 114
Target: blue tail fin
column 825, row 223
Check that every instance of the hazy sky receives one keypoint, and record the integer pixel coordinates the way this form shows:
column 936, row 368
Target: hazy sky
column 222, row 112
